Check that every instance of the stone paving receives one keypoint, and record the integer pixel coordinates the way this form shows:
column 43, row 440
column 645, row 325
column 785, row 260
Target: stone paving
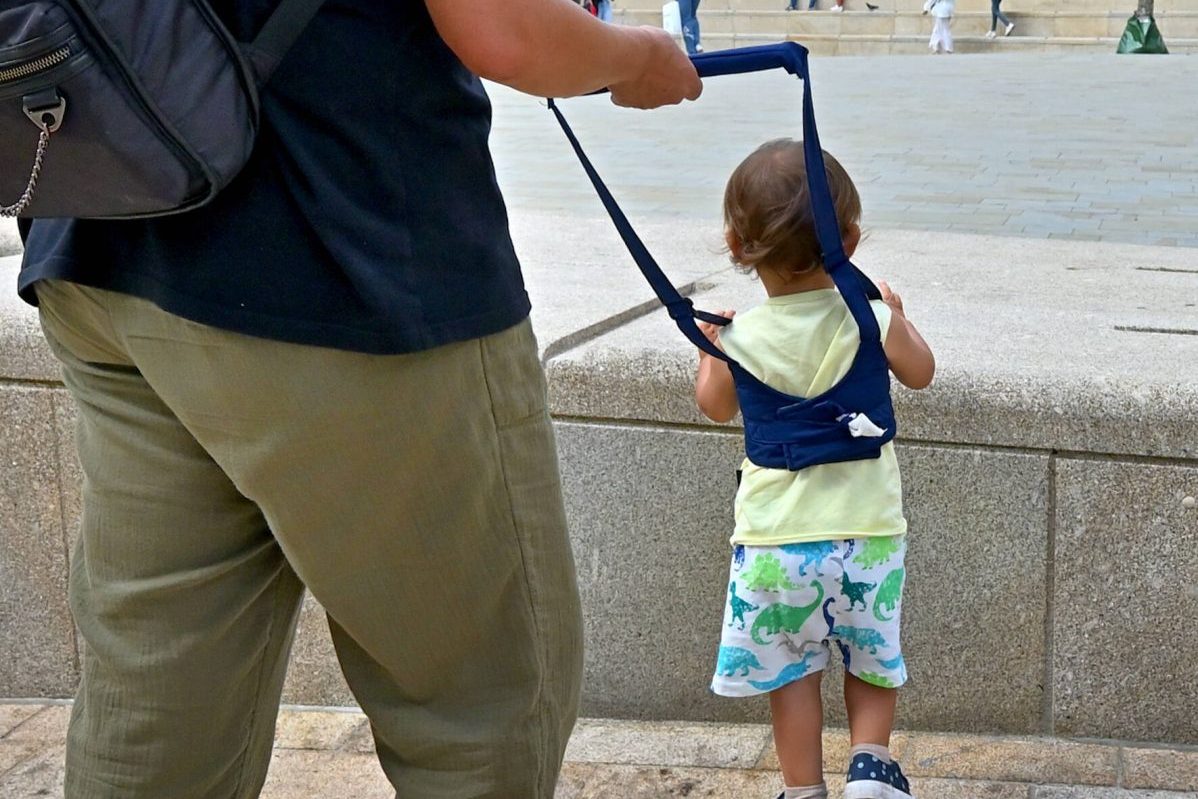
column 1094, row 147
column 329, row 753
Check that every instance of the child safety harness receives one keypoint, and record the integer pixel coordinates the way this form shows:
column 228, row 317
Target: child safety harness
column 855, row 418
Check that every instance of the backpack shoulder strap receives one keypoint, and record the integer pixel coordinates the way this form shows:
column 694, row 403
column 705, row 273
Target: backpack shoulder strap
column 278, row 34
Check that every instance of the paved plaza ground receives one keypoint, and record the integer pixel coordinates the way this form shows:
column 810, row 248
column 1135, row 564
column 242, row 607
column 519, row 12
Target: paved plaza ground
column 329, row 753
column 1095, row 147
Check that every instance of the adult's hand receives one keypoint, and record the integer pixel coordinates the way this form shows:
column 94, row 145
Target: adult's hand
column 553, row 48
column 668, row 77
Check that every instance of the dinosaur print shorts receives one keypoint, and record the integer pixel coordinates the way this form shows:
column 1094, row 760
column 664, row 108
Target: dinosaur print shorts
column 788, row 604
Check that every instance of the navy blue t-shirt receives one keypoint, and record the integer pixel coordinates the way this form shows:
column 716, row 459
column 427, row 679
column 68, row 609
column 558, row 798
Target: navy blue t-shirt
column 368, row 218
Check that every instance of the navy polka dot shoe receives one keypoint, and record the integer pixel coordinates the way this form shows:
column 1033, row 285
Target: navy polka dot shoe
column 870, row 778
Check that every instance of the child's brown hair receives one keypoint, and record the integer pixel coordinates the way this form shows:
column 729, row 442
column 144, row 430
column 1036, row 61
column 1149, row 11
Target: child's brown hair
column 768, row 211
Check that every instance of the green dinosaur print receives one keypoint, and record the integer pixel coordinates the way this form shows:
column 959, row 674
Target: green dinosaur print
column 877, row 550
column 855, row 592
column 739, row 606
column 767, row 574
column 780, row 617
column 888, row 595
column 733, row 659
column 876, row 679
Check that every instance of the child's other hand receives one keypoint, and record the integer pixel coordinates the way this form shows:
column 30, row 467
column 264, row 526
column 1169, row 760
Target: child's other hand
column 713, row 331
column 890, row 298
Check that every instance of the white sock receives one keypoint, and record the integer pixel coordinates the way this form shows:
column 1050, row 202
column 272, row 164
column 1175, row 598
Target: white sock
column 877, row 750
column 809, row 792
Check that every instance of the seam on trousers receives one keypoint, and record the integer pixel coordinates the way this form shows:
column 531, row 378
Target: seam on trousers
column 249, row 733
column 542, row 640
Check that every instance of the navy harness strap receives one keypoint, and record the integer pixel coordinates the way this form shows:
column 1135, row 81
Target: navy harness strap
column 680, row 308
column 854, row 286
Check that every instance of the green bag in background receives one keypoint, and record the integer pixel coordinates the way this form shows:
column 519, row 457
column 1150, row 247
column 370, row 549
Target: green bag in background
column 1141, row 36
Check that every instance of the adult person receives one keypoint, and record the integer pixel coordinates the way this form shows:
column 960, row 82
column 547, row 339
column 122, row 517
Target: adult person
column 996, row 15
column 941, row 40
column 327, row 378
column 688, row 10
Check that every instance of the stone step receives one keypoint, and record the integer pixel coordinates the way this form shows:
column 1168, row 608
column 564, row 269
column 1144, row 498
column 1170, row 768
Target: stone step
column 825, row 45
column 1117, row 7
column 1067, row 24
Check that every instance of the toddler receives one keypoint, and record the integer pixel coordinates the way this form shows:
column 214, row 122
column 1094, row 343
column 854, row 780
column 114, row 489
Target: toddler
column 818, row 552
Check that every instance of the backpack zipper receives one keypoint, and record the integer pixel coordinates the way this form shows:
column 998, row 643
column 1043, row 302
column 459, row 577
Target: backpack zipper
column 31, row 68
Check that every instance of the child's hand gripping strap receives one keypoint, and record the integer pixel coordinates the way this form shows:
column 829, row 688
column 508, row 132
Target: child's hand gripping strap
column 856, row 289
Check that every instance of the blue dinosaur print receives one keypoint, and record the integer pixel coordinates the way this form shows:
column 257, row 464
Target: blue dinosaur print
column 733, row 659
column 860, row 637
column 813, row 553
column 739, row 606
column 738, row 557
column 828, row 616
column 794, row 671
column 845, row 654
column 892, row 664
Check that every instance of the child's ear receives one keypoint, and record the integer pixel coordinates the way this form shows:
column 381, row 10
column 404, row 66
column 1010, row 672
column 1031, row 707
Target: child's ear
column 735, row 245
column 852, row 237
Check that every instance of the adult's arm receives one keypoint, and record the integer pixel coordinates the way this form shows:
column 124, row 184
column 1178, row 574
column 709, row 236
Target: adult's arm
column 554, row 48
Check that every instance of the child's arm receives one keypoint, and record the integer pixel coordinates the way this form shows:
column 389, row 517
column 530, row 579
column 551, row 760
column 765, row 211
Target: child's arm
column 910, row 357
column 715, row 392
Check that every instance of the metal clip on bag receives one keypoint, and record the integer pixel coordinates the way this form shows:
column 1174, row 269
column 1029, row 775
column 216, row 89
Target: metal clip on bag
column 855, row 418
column 128, row 108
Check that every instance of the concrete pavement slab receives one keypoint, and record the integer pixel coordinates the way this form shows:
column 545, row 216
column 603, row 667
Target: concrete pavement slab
column 303, row 774
column 13, row 715
column 37, row 777
column 316, row 729
column 634, row 743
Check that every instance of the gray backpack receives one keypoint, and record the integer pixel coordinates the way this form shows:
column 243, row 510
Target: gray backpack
column 128, row 108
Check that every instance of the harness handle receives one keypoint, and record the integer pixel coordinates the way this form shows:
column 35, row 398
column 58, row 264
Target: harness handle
column 854, row 286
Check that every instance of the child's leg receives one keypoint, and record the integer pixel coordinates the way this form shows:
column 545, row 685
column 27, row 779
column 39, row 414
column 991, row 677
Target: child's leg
column 870, row 710
column 798, row 717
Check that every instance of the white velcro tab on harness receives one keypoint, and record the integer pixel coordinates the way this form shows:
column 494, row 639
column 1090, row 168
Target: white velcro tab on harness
column 861, row 426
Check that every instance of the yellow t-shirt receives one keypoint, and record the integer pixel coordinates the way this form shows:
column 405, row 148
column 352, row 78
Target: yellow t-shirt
column 804, row 344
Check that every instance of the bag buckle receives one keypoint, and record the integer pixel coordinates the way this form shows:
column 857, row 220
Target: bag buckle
column 45, row 109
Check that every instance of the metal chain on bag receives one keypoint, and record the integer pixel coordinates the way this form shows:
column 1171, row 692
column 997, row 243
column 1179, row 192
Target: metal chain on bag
column 17, row 208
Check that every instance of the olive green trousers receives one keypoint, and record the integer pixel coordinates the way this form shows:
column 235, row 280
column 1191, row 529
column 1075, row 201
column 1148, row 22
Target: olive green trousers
column 416, row 496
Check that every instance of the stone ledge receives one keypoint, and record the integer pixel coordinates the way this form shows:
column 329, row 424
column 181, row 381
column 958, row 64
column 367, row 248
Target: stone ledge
column 1048, row 345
